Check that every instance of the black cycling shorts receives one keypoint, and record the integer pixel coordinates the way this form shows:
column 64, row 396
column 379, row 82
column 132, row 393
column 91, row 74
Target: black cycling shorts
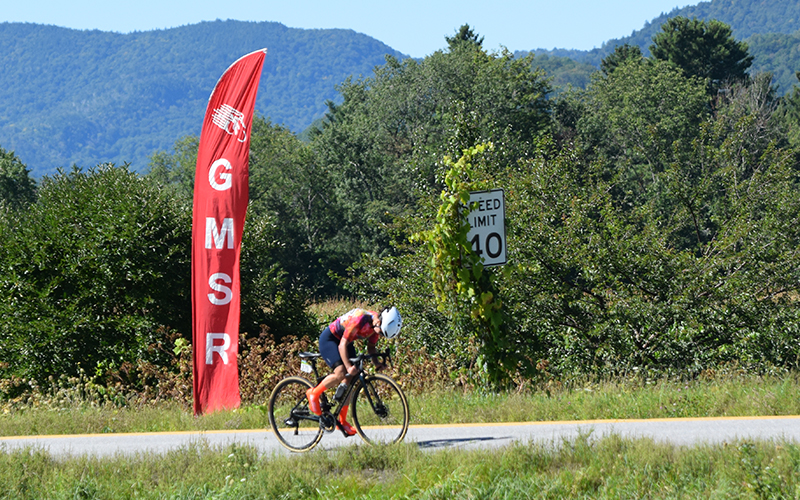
column 329, row 348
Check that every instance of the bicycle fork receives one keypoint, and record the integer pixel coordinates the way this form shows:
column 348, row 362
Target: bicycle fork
column 374, row 400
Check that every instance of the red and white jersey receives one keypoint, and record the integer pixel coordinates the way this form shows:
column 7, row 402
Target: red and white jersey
column 355, row 324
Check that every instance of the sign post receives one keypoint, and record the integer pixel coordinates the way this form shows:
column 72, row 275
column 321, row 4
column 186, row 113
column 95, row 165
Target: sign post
column 487, row 221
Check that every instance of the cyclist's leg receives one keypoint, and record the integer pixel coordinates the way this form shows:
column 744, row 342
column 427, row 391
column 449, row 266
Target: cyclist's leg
column 329, row 348
column 348, row 429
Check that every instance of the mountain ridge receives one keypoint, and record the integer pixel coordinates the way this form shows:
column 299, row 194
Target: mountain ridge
column 85, row 97
column 771, row 28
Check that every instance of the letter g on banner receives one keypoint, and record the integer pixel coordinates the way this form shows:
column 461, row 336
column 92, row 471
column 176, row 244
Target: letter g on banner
column 225, row 176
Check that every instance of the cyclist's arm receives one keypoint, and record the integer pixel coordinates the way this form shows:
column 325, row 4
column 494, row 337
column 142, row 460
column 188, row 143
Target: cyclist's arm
column 371, row 350
column 349, row 368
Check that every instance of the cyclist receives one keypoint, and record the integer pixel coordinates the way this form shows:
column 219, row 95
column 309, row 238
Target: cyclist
column 336, row 347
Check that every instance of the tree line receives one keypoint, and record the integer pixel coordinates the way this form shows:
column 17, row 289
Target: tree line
column 652, row 222
column 769, row 28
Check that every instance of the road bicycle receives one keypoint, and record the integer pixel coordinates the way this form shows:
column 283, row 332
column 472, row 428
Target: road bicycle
column 379, row 408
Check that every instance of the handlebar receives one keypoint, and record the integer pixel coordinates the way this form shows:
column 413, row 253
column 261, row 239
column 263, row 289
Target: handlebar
column 385, row 355
column 309, row 360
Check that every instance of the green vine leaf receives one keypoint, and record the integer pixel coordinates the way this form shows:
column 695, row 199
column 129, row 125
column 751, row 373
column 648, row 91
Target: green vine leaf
column 463, row 288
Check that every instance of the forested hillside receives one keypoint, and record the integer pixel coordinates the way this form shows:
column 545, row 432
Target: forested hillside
column 771, row 28
column 85, row 97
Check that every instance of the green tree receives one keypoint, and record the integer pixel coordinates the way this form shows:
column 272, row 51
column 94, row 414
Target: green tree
column 176, row 169
column 789, row 113
column 384, row 143
column 639, row 119
column 621, row 54
column 702, row 49
column 274, row 302
column 465, row 35
column 617, row 288
column 288, row 184
column 629, row 239
column 17, row 188
column 97, row 275
column 94, row 272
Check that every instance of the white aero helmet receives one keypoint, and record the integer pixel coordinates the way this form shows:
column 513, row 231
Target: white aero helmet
column 390, row 322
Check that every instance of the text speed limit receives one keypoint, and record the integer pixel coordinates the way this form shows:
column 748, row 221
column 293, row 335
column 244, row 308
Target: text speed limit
column 487, row 220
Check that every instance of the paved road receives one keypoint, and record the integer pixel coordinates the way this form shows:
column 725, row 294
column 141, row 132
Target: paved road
column 676, row 431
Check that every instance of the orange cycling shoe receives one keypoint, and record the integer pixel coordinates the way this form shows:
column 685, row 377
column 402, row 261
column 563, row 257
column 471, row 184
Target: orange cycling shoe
column 346, row 427
column 313, row 399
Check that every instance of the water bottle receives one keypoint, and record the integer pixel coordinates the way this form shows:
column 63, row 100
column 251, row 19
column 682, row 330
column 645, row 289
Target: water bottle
column 340, row 391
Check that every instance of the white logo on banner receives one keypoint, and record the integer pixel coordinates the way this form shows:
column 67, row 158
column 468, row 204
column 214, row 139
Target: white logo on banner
column 231, row 121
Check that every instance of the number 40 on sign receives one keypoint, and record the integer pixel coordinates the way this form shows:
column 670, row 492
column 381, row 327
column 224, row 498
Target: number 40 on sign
column 487, row 220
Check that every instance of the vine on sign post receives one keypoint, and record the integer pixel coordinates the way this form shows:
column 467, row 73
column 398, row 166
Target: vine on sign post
column 463, row 287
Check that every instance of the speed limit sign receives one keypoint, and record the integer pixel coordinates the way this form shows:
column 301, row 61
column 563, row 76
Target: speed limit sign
column 487, row 220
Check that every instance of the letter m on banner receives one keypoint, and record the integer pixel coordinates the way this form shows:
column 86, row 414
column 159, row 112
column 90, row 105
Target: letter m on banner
column 220, row 206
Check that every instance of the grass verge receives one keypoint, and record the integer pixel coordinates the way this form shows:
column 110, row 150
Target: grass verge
column 729, row 396
column 578, row 468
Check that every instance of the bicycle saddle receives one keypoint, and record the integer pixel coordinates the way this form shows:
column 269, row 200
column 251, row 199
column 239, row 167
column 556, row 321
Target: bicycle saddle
column 310, row 355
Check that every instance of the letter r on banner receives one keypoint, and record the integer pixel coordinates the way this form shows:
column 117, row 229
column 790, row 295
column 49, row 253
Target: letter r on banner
column 219, row 349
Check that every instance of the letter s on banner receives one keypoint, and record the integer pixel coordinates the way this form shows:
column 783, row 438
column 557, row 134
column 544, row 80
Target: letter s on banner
column 220, row 197
column 226, row 292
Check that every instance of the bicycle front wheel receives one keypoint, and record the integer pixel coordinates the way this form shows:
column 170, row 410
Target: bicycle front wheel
column 380, row 410
column 292, row 422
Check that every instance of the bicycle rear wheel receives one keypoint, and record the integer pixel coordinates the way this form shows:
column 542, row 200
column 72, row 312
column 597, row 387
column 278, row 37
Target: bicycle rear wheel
column 293, row 424
column 380, row 410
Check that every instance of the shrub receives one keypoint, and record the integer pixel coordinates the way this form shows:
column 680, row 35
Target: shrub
column 90, row 270
column 96, row 275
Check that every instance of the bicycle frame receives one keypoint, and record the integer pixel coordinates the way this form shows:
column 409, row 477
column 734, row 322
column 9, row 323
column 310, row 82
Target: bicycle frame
column 380, row 408
column 325, row 405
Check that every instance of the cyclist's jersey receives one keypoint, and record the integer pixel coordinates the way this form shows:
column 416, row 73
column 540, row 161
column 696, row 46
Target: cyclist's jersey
column 356, row 324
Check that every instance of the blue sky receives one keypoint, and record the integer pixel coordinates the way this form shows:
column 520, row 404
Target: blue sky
column 414, row 27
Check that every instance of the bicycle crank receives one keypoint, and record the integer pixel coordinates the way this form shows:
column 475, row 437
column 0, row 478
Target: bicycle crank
column 327, row 422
